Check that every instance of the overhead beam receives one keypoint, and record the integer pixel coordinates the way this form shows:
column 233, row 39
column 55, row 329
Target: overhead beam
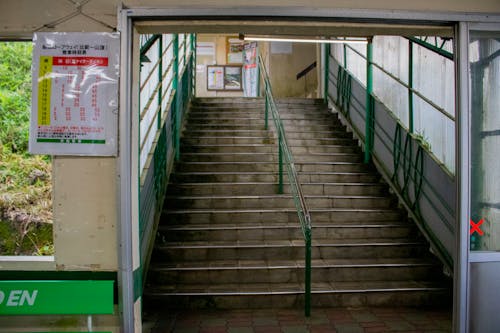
column 290, row 28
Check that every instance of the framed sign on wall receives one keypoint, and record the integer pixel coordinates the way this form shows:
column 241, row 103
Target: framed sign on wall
column 75, row 94
column 224, row 78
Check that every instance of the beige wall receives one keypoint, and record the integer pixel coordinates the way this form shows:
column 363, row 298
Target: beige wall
column 219, row 58
column 283, row 69
column 85, row 209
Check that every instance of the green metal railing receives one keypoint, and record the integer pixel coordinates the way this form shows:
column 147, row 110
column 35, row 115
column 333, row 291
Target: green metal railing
column 285, row 157
column 407, row 157
column 164, row 94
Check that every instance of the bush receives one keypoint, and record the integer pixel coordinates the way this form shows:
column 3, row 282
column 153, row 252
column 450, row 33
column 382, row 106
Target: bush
column 25, row 180
column 15, row 95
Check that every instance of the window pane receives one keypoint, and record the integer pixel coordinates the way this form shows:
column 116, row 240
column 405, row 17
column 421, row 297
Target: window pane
column 484, row 50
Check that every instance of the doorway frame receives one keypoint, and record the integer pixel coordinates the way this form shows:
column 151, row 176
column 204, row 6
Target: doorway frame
column 129, row 308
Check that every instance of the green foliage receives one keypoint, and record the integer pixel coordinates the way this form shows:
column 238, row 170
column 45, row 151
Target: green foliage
column 25, row 180
column 423, row 140
column 25, row 205
column 15, row 95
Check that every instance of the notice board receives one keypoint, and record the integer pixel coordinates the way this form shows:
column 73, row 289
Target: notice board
column 74, row 109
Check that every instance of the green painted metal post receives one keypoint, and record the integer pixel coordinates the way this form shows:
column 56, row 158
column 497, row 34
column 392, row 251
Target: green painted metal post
column 184, row 45
column 280, row 163
column 345, row 56
column 160, row 75
column 410, row 85
column 175, row 86
column 327, row 72
column 369, row 111
column 307, row 296
column 266, row 112
column 193, row 68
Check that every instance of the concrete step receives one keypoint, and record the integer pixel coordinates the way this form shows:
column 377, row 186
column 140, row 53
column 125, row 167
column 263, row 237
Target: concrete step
column 291, row 295
column 269, row 156
column 256, row 188
column 267, row 148
column 304, row 134
column 334, row 215
column 270, row 167
column 228, row 132
column 272, row 177
column 249, row 120
column 213, row 139
column 286, row 249
column 229, row 126
column 292, row 271
column 273, row 201
column 229, row 157
column 270, row 230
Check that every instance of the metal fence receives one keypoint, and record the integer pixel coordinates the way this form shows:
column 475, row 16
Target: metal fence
column 166, row 87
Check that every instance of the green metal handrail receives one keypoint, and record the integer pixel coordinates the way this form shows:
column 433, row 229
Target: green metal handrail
column 285, row 157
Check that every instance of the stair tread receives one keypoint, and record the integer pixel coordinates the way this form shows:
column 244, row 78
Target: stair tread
column 292, row 243
column 274, row 183
column 286, row 209
column 271, row 196
column 282, row 264
column 293, row 288
column 278, row 225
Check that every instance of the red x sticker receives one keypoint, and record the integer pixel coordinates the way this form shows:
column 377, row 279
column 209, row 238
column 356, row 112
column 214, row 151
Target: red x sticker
column 475, row 227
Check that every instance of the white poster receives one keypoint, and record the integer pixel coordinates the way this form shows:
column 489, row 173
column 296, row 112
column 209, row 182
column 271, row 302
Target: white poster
column 215, row 77
column 250, row 70
column 75, row 94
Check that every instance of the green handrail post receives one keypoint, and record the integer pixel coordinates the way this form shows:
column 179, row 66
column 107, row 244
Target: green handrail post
column 160, row 78
column 369, row 111
column 266, row 112
column 410, row 86
column 327, row 72
column 193, row 68
column 345, row 56
column 184, row 45
column 307, row 271
column 175, row 86
column 285, row 158
column 280, row 162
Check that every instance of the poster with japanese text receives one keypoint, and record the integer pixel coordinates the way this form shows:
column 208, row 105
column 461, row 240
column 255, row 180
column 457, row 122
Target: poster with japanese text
column 250, row 70
column 74, row 109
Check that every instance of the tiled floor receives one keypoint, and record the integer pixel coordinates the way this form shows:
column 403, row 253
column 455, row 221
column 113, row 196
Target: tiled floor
column 339, row 320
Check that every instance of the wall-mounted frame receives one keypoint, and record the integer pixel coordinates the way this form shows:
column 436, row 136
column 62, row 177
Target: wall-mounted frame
column 224, row 78
column 234, row 50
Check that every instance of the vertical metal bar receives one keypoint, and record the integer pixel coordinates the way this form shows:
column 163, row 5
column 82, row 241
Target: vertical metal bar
column 177, row 98
column 345, row 56
column 280, row 162
column 184, row 54
column 193, row 57
column 327, row 72
column 266, row 112
column 410, row 86
column 369, row 111
column 462, row 149
column 124, row 177
column 307, row 301
column 160, row 76
column 258, row 74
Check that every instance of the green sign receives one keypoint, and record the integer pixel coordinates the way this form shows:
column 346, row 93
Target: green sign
column 56, row 297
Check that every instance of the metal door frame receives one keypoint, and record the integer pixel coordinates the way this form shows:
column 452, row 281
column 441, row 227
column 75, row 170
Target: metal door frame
column 126, row 17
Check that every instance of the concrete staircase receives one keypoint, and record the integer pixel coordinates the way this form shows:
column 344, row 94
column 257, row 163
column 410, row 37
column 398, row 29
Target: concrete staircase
column 227, row 240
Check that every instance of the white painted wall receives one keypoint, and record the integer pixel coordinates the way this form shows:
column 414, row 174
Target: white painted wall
column 433, row 77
